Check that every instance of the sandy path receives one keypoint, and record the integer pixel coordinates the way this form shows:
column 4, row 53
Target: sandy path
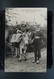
column 13, row 65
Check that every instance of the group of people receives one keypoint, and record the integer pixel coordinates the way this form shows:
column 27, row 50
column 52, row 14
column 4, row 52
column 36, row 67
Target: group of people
column 25, row 38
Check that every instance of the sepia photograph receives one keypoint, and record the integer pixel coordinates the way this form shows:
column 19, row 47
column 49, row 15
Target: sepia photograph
column 25, row 40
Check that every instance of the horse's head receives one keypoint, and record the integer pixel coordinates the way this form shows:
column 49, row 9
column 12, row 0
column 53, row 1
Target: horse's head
column 25, row 38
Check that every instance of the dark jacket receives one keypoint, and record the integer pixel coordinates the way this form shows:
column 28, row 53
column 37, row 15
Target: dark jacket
column 38, row 41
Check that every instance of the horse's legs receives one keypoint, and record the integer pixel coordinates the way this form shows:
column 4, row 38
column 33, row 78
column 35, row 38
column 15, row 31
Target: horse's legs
column 16, row 51
column 20, row 52
column 25, row 57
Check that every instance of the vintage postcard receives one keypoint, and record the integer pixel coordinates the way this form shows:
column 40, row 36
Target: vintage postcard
column 25, row 40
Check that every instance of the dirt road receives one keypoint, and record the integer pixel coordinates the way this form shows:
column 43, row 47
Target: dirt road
column 13, row 65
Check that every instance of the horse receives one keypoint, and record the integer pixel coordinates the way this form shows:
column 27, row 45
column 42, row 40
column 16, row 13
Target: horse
column 20, row 42
column 23, row 46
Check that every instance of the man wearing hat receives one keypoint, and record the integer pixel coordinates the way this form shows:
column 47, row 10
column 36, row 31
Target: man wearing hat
column 37, row 44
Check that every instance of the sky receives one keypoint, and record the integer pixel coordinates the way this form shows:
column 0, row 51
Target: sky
column 39, row 15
